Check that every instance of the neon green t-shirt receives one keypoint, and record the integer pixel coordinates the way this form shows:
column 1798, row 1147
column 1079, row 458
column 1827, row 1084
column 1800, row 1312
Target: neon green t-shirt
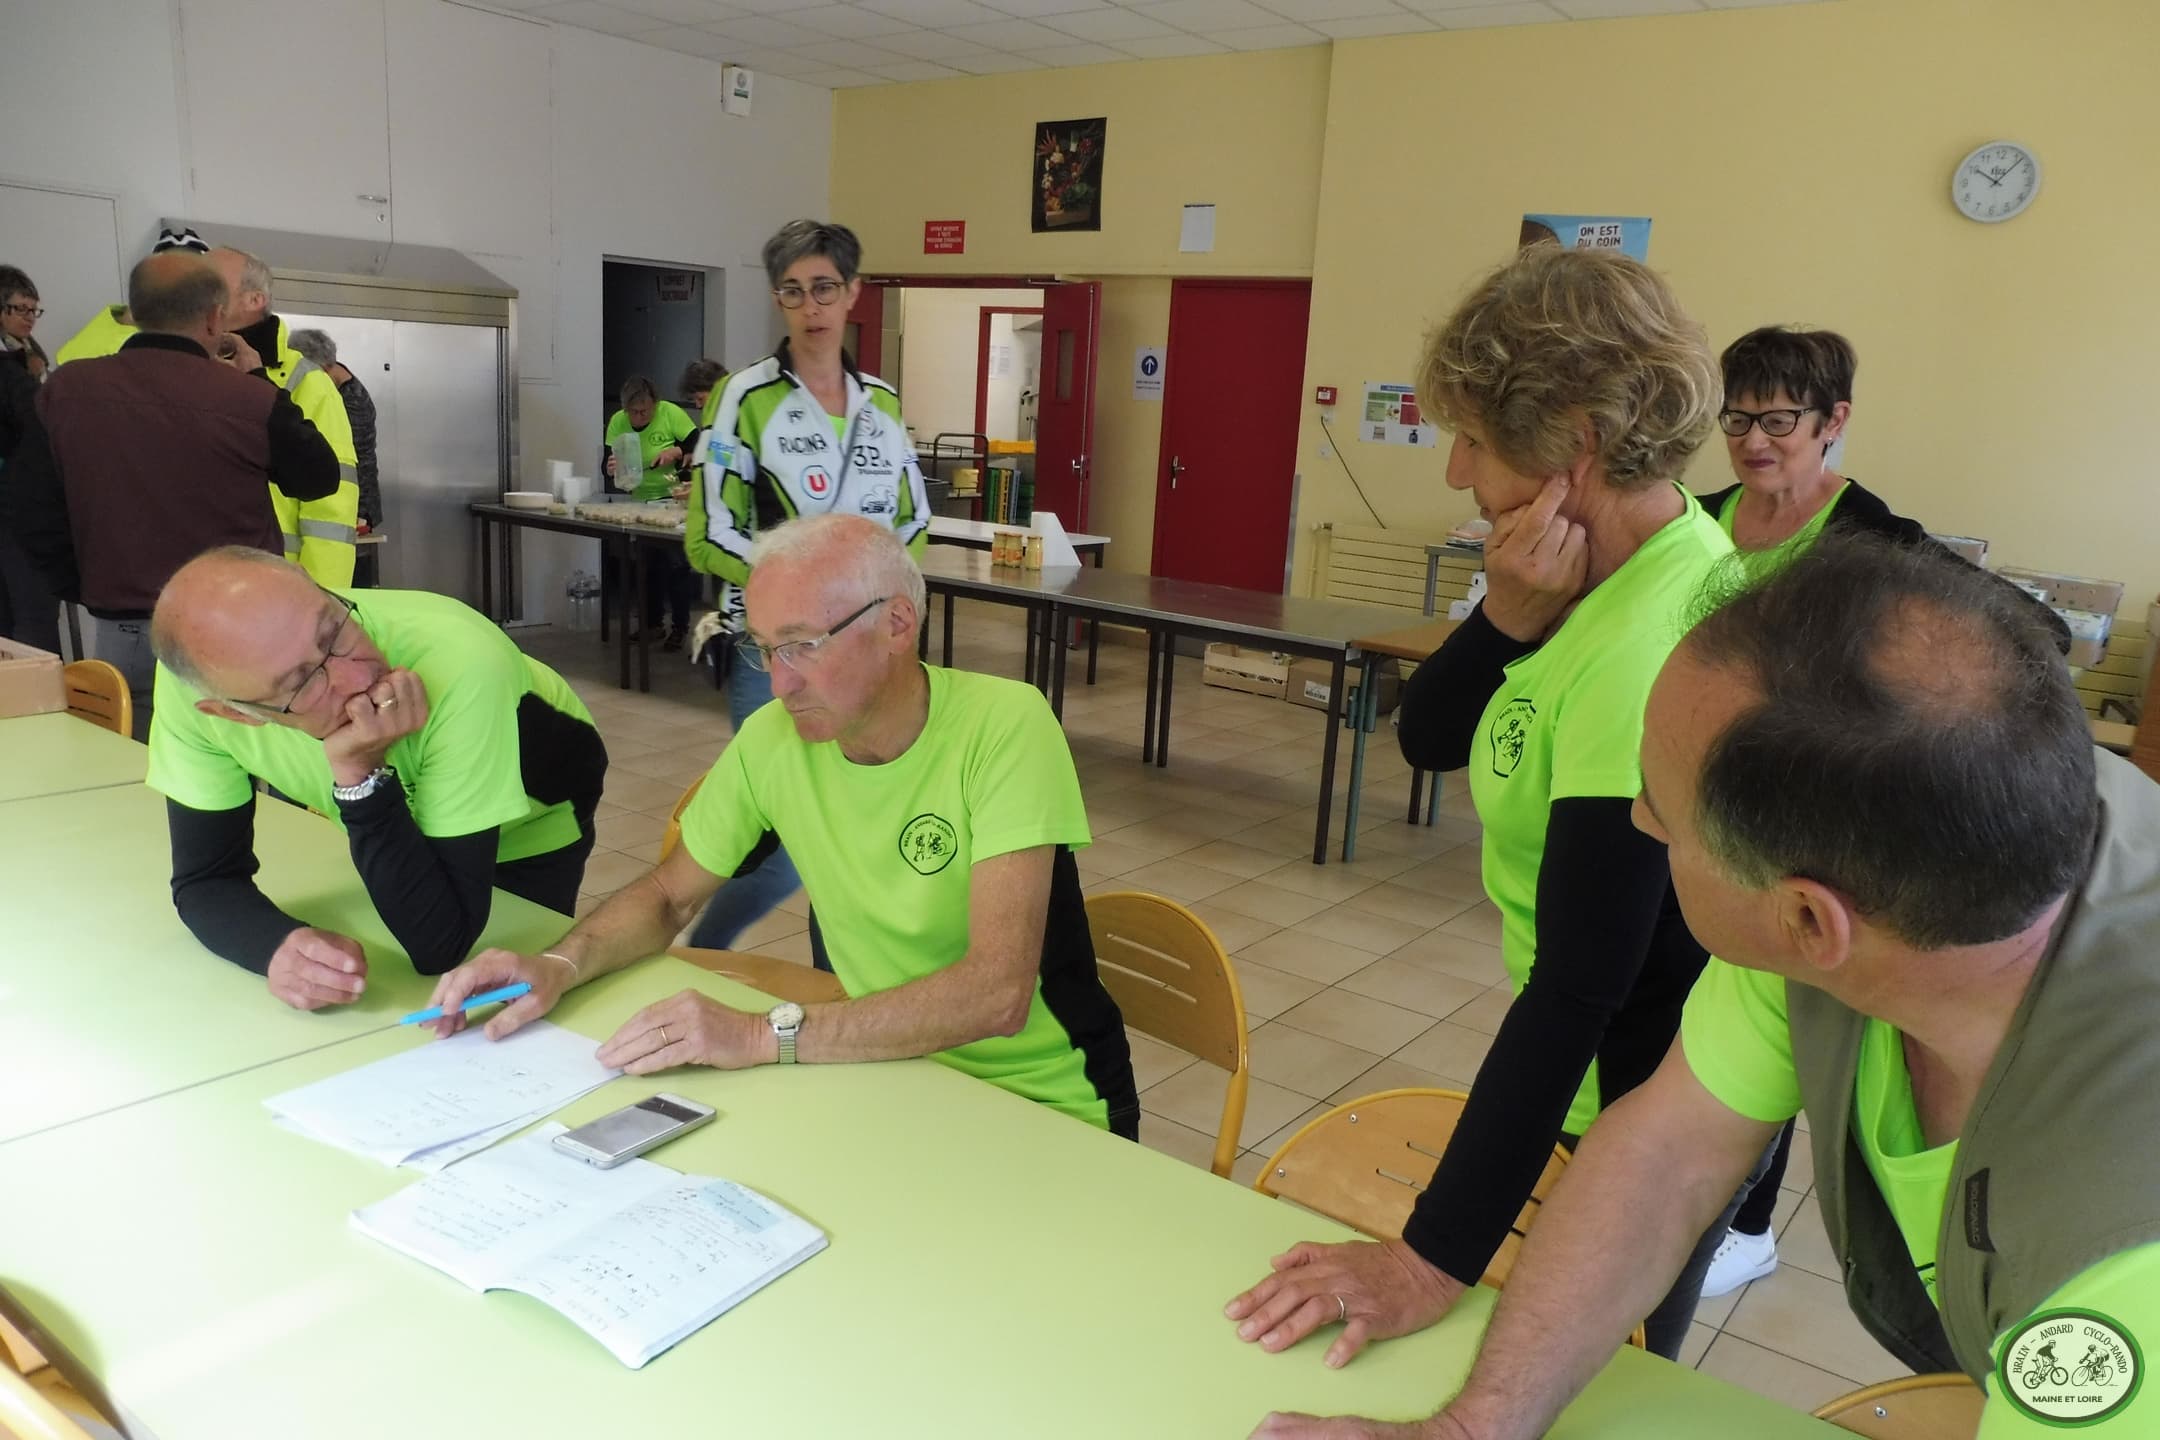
column 886, row 854
column 670, row 425
column 461, row 771
column 1792, row 546
column 1567, row 723
column 104, row 335
column 1739, row 1044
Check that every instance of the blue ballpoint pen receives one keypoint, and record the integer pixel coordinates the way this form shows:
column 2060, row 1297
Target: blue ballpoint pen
column 435, row 1012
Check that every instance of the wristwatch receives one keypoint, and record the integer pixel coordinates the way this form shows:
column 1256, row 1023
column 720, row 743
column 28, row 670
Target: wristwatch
column 378, row 777
column 786, row 1021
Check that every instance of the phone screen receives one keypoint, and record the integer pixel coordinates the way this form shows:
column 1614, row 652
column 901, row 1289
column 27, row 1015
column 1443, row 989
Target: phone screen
column 631, row 1126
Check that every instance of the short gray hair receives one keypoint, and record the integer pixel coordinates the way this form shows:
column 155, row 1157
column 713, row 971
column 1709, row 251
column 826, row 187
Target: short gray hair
column 801, row 239
column 254, row 274
column 316, row 345
column 874, row 554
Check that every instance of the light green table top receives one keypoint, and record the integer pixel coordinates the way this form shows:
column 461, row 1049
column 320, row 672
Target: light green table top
column 53, row 754
column 106, row 999
column 995, row 1270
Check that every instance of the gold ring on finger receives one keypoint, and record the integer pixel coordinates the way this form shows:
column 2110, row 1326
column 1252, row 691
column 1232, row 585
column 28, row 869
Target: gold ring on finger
column 1342, row 1307
column 663, row 1037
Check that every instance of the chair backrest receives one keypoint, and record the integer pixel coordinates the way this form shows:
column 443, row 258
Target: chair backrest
column 98, row 693
column 1365, row 1162
column 1918, row 1407
column 672, row 836
column 1172, row 979
column 27, row 1414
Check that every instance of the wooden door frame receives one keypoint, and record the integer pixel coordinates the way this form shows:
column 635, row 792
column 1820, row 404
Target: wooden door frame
column 1170, row 363
column 982, row 357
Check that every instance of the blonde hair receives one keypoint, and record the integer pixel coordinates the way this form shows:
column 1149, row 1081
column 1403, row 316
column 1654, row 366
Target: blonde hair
column 1555, row 338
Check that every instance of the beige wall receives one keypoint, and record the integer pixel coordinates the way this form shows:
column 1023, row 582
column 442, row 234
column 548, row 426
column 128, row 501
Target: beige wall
column 1128, row 432
column 940, row 329
column 2005, row 370
column 1241, row 132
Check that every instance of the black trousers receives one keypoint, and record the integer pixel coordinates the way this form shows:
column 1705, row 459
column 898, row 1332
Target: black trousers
column 552, row 880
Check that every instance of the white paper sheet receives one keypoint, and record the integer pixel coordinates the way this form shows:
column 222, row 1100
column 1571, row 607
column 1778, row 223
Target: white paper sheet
column 444, row 1096
column 1196, row 230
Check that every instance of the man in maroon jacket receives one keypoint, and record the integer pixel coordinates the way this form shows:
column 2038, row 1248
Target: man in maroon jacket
column 139, row 461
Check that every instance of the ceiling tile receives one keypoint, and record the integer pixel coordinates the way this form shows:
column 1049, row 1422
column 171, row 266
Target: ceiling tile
column 1368, row 25
column 1171, row 47
column 852, row 54
column 938, row 13
column 1009, row 35
column 992, row 63
column 842, row 79
column 1058, row 55
column 1109, row 26
column 784, row 63
column 1037, row 9
column 765, row 7
column 607, row 19
column 1747, row 4
column 764, row 30
column 932, row 45
column 686, row 41
column 847, row 22
column 1202, row 16
column 1474, row 17
column 1267, row 37
column 1615, row 9
column 681, row 12
column 916, row 70
column 1307, row 11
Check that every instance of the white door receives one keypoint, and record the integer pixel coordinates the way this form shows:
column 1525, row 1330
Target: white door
column 69, row 246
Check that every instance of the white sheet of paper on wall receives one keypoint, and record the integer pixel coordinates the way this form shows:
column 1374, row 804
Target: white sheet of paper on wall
column 1196, row 230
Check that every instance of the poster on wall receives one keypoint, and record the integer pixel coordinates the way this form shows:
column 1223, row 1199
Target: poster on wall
column 1068, row 174
column 1392, row 417
column 1630, row 235
column 1147, row 372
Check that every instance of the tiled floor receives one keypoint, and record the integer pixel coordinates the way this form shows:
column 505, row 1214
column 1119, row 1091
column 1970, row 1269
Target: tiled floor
column 1357, row 977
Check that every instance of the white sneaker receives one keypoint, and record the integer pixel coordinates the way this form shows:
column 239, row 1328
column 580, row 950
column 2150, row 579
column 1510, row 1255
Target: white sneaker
column 1739, row 1259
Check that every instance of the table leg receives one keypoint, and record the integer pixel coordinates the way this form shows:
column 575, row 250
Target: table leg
column 487, row 571
column 1432, row 582
column 1417, row 793
column 1162, row 703
column 952, row 598
column 1432, row 800
column 628, row 607
column 1365, row 717
column 644, row 630
column 1057, row 670
column 1327, row 761
column 1147, row 713
column 1028, row 663
column 1094, row 637
column 922, row 632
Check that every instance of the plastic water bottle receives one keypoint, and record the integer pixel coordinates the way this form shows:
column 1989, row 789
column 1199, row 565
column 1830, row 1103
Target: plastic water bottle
column 583, row 589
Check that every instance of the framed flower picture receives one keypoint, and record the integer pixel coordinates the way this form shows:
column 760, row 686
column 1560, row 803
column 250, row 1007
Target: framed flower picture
column 1068, row 174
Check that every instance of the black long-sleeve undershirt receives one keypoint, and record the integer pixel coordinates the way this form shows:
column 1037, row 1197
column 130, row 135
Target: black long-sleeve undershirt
column 433, row 893
column 1613, row 964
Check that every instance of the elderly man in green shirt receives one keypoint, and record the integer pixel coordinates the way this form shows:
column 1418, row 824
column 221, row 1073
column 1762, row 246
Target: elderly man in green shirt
column 454, row 763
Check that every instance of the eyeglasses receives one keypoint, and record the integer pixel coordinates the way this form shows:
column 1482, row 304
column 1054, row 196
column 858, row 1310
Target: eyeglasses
column 28, row 312
column 1775, row 423
column 824, row 291
column 797, row 653
column 312, row 689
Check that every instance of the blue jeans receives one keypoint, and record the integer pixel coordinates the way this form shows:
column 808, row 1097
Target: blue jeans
column 748, row 897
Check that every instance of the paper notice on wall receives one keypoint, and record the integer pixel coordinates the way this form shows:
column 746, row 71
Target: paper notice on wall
column 1391, row 417
column 1001, row 360
column 1630, row 235
column 1147, row 373
column 1196, row 230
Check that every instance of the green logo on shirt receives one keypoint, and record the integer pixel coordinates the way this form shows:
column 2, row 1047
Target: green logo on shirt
column 1511, row 735
column 928, row 843
column 2069, row 1367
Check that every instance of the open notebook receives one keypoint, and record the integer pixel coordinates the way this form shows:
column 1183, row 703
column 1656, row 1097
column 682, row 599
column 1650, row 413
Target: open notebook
column 639, row 1256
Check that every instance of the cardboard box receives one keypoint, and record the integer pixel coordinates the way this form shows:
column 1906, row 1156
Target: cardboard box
column 2089, row 630
column 1967, row 547
column 30, row 680
column 2069, row 592
column 1310, row 681
column 1256, row 672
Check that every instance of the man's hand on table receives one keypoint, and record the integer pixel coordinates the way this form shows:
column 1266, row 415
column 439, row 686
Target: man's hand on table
column 549, row 976
column 1288, row 1425
column 1375, row 1290
column 387, row 711
column 689, row 1028
column 313, row 968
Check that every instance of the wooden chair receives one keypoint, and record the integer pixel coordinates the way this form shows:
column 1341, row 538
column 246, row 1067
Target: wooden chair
column 1172, row 979
column 672, row 836
column 784, row 979
column 28, row 1413
column 98, row 693
column 1365, row 1162
column 1918, row 1407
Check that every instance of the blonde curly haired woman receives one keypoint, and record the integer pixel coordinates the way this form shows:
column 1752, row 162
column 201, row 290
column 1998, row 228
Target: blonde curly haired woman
column 1577, row 389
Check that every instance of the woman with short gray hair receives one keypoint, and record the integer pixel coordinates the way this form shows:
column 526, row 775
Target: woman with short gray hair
column 801, row 432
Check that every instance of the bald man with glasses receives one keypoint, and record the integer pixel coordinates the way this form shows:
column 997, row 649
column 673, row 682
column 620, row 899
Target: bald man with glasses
column 933, row 814
column 455, row 763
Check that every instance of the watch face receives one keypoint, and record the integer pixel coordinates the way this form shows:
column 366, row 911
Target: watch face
column 785, row 1016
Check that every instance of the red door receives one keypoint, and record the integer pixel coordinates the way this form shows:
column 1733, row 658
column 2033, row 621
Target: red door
column 1236, row 369
column 866, row 333
column 1065, row 415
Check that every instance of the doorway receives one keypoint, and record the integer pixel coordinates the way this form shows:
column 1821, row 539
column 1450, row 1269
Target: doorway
column 1228, row 465
column 654, row 320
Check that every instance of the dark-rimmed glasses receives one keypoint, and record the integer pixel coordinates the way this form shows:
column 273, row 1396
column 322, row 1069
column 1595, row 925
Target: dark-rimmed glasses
column 1775, row 423
column 824, row 291
column 311, row 689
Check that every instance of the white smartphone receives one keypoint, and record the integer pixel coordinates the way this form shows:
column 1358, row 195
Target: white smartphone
column 632, row 1130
